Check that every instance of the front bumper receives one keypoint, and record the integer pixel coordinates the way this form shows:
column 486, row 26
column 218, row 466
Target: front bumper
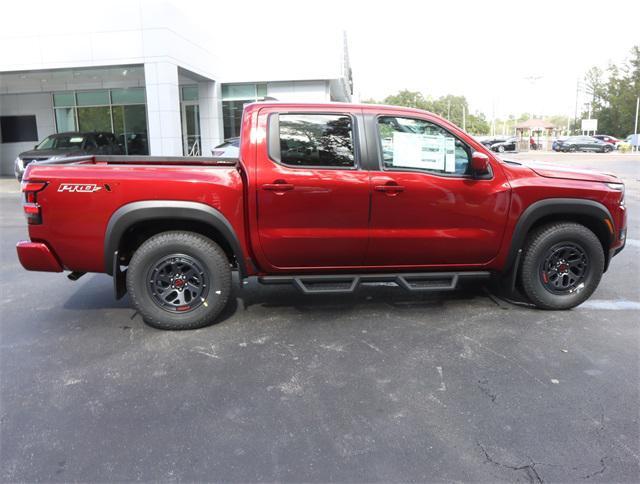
column 37, row 256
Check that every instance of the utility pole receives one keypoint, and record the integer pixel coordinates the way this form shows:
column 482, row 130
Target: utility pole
column 635, row 129
column 575, row 114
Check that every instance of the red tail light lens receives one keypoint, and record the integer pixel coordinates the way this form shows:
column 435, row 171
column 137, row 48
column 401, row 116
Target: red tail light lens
column 31, row 206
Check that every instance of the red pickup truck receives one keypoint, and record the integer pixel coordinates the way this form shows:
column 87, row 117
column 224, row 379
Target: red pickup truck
column 325, row 197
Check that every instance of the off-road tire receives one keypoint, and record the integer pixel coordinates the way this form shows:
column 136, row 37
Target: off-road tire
column 536, row 250
column 205, row 254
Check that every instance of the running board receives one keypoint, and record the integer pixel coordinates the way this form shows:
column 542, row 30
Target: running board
column 348, row 283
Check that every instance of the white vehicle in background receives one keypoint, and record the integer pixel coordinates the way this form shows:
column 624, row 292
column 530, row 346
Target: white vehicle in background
column 229, row 149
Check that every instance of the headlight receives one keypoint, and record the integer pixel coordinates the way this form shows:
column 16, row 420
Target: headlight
column 18, row 164
column 618, row 187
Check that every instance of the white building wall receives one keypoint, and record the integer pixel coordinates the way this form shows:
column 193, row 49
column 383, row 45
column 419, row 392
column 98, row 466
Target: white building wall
column 299, row 91
column 163, row 108
column 40, row 104
column 210, row 105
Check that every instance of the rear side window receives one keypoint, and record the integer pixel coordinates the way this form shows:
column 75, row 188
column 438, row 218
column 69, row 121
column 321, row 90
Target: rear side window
column 322, row 140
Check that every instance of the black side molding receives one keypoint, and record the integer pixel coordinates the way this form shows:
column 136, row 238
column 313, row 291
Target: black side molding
column 132, row 213
column 553, row 206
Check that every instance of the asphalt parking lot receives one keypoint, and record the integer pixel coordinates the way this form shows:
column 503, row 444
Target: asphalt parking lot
column 379, row 386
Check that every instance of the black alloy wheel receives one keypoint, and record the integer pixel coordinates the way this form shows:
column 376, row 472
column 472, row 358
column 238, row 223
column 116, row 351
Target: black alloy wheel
column 178, row 283
column 564, row 268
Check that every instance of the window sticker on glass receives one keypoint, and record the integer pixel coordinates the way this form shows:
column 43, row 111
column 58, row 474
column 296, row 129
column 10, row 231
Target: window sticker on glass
column 424, row 151
column 76, row 140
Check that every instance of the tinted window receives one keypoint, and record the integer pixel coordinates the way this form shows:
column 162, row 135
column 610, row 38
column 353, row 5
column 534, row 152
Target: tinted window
column 14, row 129
column 316, row 140
column 421, row 145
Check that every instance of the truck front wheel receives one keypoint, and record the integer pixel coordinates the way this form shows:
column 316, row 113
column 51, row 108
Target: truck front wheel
column 179, row 280
column 562, row 265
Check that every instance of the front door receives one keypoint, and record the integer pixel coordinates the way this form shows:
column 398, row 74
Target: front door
column 426, row 208
column 312, row 196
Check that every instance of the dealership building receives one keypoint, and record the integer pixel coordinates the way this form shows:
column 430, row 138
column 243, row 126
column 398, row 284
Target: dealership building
column 151, row 78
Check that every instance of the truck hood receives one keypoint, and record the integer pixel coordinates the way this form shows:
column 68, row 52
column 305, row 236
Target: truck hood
column 550, row 170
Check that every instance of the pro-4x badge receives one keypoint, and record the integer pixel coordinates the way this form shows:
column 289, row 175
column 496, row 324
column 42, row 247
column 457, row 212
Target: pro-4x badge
column 79, row 187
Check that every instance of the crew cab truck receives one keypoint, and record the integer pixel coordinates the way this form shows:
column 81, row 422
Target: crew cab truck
column 325, row 197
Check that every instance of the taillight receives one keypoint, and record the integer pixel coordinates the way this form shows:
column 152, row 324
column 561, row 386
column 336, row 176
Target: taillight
column 30, row 205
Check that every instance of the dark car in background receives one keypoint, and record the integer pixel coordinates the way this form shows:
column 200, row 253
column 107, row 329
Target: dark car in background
column 64, row 145
column 584, row 143
column 555, row 146
column 509, row 144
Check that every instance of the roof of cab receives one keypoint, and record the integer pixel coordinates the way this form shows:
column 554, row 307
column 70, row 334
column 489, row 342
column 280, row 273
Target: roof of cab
column 335, row 105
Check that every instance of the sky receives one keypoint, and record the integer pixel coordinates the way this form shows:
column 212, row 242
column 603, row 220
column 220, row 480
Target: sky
column 506, row 57
column 486, row 50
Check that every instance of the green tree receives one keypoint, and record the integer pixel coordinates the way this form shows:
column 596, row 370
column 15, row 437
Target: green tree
column 613, row 94
column 452, row 107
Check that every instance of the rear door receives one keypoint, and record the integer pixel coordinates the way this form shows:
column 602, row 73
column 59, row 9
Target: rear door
column 426, row 208
column 312, row 194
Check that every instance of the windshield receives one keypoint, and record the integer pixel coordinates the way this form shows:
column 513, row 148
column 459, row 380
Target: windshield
column 60, row 142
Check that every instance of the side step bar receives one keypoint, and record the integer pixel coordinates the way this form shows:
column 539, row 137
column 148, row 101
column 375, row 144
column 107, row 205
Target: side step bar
column 348, row 283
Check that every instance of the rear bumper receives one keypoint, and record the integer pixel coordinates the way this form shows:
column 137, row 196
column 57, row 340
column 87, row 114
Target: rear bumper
column 36, row 256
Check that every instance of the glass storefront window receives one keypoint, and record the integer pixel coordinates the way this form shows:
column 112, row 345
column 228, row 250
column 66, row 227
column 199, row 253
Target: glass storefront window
column 94, row 119
column 64, row 99
column 92, row 98
column 122, row 112
column 234, row 97
column 238, row 91
column 232, row 117
column 127, row 96
column 130, row 128
column 65, row 119
column 190, row 93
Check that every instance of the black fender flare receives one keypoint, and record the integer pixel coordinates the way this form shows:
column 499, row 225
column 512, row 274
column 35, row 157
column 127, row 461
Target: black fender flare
column 554, row 206
column 135, row 212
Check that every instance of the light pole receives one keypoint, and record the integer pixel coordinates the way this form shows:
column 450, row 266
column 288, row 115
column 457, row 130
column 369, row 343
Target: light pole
column 635, row 129
column 533, row 79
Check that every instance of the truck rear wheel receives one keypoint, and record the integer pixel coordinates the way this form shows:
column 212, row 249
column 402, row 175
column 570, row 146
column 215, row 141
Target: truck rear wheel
column 562, row 265
column 179, row 280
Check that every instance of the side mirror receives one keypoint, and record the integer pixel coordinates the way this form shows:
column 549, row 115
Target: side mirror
column 479, row 164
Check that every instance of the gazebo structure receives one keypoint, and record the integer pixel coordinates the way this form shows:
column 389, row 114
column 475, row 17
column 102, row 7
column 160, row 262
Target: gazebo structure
column 542, row 132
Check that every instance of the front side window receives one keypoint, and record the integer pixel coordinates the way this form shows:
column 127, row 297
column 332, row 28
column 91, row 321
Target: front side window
column 316, row 140
column 417, row 144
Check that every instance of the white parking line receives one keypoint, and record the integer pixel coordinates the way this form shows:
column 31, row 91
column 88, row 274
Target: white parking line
column 613, row 304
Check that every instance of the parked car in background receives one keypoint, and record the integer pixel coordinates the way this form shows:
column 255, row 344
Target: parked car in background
column 607, row 139
column 63, row 145
column 509, row 144
column 491, row 140
column 633, row 140
column 229, row 149
column 585, row 143
column 555, row 146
